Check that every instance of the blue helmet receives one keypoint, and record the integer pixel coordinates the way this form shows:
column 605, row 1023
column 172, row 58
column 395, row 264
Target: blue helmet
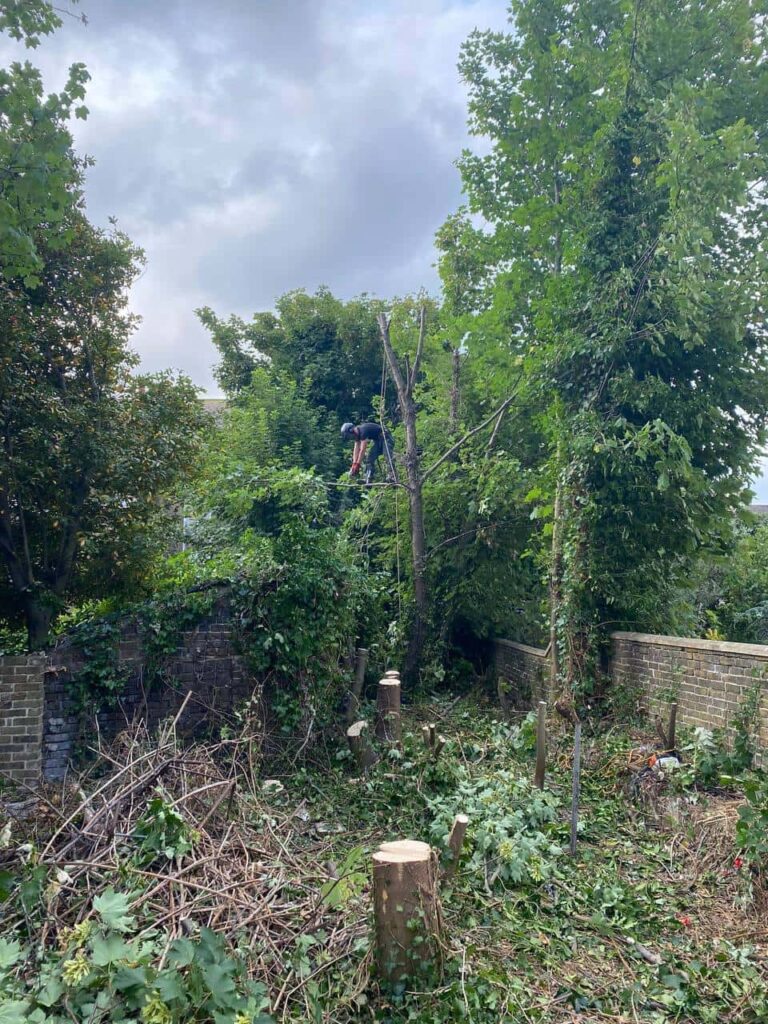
column 347, row 430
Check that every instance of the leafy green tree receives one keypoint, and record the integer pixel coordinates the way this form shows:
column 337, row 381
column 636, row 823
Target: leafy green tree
column 625, row 266
column 88, row 447
column 326, row 345
column 38, row 171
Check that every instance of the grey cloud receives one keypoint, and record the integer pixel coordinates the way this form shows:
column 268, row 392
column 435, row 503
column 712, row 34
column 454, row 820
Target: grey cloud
column 254, row 146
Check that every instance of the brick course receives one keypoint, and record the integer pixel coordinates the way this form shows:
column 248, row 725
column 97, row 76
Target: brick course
column 524, row 672
column 39, row 724
column 710, row 679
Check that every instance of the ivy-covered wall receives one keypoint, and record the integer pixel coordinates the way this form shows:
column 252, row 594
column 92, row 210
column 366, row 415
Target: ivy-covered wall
column 90, row 686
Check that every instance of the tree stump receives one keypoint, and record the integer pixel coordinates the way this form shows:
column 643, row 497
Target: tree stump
column 392, row 673
column 455, row 843
column 406, row 911
column 388, row 723
column 360, row 745
column 353, row 702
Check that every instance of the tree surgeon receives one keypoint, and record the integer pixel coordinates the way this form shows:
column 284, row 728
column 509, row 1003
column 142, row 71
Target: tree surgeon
column 381, row 442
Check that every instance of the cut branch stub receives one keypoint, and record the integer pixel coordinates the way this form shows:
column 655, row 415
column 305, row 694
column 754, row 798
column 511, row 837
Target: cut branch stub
column 360, row 745
column 406, row 911
column 391, row 673
column 388, row 722
column 455, row 843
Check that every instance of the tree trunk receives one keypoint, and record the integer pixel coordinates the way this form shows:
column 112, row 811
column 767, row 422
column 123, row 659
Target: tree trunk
column 556, row 586
column 406, row 912
column 388, row 721
column 455, row 843
column 39, row 617
column 353, row 698
column 404, row 383
column 359, row 744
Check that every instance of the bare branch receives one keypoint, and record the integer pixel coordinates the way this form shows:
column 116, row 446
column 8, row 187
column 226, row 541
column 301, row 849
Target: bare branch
column 476, row 430
column 419, row 348
column 394, row 366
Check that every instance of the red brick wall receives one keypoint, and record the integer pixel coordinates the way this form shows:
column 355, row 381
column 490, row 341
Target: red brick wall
column 524, row 672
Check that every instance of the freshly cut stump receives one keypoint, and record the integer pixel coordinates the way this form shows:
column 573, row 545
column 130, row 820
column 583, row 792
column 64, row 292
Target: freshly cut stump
column 391, row 673
column 360, row 745
column 406, row 911
column 388, row 722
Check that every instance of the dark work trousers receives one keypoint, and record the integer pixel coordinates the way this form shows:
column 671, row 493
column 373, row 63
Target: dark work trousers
column 383, row 445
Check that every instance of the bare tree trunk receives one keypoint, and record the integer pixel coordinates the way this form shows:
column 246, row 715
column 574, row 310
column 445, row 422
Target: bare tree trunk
column 556, row 581
column 360, row 745
column 404, row 383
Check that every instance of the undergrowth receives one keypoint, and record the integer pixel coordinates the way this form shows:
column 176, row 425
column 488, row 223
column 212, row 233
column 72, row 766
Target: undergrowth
column 657, row 919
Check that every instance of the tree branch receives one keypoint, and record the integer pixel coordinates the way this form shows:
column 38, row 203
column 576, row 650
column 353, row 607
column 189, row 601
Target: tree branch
column 476, row 430
column 419, row 347
column 394, row 366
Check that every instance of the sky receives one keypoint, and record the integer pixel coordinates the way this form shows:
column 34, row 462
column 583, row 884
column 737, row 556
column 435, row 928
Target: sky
column 255, row 146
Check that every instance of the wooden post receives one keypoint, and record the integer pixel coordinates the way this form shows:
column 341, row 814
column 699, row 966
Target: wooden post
column 672, row 726
column 360, row 745
column 391, row 673
column 541, row 745
column 576, row 786
column 455, row 843
column 406, row 911
column 388, row 723
column 353, row 704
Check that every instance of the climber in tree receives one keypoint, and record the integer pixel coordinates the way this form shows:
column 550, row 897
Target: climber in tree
column 381, row 441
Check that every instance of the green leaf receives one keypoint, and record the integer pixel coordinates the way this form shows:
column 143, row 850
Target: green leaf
column 181, row 953
column 112, row 908
column 109, row 949
column 14, row 1011
column 10, row 952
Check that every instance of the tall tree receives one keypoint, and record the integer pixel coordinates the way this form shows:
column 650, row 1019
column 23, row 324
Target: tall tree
column 327, row 345
column 37, row 166
column 626, row 263
column 86, row 448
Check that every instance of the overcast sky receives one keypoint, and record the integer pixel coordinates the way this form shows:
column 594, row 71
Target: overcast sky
column 254, row 146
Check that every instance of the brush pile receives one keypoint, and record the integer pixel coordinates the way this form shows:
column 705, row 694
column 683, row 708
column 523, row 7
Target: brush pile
column 197, row 841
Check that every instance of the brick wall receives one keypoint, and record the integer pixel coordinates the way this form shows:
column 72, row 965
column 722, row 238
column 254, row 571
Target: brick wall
column 40, row 728
column 523, row 674
column 708, row 678
column 21, row 717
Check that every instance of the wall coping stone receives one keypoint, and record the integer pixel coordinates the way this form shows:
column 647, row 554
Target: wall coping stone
column 537, row 652
column 691, row 643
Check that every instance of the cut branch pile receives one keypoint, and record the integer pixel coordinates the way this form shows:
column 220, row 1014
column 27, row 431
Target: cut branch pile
column 255, row 871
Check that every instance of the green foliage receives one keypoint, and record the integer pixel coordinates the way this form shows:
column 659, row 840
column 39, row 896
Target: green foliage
column 162, row 832
column 106, row 971
column 330, row 348
column 510, row 832
column 39, row 175
column 89, row 447
column 622, row 266
column 752, row 827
